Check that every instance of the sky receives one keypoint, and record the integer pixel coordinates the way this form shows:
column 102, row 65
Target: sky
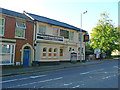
column 68, row 11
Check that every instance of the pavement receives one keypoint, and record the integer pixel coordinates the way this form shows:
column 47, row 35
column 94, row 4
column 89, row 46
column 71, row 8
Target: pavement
column 26, row 70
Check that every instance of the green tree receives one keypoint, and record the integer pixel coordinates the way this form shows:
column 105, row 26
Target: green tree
column 104, row 36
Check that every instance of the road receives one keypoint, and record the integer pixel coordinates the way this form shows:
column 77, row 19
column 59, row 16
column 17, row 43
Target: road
column 103, row 75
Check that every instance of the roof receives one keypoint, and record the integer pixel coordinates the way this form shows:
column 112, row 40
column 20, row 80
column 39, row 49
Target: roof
column 13, row 13
column 53, row 22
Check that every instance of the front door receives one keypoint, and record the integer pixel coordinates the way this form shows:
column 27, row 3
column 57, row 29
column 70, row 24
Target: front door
column 26, row 57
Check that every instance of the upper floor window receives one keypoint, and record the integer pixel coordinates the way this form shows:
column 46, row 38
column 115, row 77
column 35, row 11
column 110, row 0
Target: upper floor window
column 2, row 23
column 55, row 31
column 20, row 29
column 42, row 29
column 64, row 33
column 71, row 37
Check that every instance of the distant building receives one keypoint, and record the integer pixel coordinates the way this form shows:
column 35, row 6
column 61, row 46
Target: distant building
column 55, row 40
column 26, row 37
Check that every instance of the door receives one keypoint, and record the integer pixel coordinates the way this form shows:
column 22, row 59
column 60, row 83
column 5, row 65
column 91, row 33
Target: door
column 26, row 57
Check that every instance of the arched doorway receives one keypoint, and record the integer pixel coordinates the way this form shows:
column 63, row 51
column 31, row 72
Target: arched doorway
column 26, row 56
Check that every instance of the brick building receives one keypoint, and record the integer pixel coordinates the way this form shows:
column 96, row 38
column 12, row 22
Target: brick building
column 16, row 38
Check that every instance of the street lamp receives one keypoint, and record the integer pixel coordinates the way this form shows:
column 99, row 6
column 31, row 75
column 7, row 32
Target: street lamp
column 81, row 36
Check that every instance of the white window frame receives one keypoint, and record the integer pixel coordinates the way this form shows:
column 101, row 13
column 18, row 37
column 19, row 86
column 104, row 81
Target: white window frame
column 44, row 31
column 12, row 48
column 44, row 52
column 55, row 52
column 2, row 26
column 24, row 28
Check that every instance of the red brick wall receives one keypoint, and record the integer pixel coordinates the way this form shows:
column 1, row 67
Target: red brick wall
column 28, row 39
column 10, row 25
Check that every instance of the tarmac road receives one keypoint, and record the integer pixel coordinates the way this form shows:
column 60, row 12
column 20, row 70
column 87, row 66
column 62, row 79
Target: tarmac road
column 103, row 75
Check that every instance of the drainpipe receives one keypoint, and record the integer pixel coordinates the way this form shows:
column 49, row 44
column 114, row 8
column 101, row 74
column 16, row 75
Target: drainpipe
column 35, row 37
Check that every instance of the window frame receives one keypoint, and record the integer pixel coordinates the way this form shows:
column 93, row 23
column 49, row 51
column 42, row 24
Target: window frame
column 20, row 28
column 2, row 26
column 55, row 52
column 50, row 53
column 11, row 54
column 62, row 52
column 44, row 52
column 43, row 29
column 63, row 33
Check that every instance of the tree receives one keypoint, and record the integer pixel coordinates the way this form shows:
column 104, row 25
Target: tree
column 104, row 35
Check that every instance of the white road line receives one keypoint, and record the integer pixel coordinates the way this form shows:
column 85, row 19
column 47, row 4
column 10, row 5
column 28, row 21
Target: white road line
column 76, row 86
column 22, row 78
column 36, row 82
column 91, row 71
column 84, row 73
column 108, row 77
column 115, row 66
column 67, row 84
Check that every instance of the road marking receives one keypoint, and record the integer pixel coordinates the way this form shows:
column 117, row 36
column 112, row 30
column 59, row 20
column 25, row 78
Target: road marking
column 22, row 78
column 67, row 84
column 84, row 73
column 36, row 82
column 92, row 71
column 115, row 66
column 76, row 86
column 37, row 76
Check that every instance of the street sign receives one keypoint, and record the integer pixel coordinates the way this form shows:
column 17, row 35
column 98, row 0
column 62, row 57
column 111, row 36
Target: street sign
column 86, row 38
column 97, row 51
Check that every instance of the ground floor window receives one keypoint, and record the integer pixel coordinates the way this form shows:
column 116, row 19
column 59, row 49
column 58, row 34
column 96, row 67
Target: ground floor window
column 61, row 52
column 7, row 54
column 55, row 52
column 49, row 52
column 44, row 52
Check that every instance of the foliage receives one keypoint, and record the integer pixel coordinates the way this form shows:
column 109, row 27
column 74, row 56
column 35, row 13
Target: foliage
column 105, row 35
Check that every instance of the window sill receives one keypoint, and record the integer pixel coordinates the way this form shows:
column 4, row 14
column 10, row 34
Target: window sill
column 20, row 38
column 49, row 57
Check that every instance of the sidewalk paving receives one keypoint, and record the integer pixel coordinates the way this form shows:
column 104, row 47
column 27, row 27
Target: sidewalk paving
column 16, row 71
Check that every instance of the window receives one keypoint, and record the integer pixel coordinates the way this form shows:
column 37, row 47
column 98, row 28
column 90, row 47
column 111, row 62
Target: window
column 42, row 29
column 61, row 52
column 44, row 52
column 55, row 52
column 20, row 29
column 50, row 52
column 64, row 33
column 2, row 23
column 71, row 37
column 55, row 31
column 6, row 54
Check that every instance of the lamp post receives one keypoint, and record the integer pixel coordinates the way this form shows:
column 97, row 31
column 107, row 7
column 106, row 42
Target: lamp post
column 81, row 36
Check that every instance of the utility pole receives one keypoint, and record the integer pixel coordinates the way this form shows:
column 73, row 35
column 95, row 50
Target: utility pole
column 81, row 37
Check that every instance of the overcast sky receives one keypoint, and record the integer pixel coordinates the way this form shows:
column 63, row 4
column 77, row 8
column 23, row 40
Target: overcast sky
column 67, row 11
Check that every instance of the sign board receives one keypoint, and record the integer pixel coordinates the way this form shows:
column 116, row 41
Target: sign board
column 86, row 38
column 97, row 51
column 73, row 56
